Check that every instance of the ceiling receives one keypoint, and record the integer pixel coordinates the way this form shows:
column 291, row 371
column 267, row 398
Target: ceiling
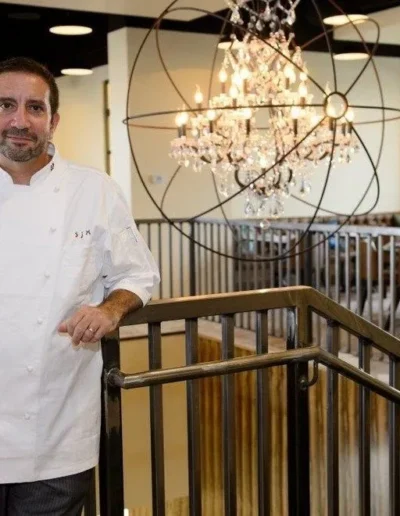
column 24, row 26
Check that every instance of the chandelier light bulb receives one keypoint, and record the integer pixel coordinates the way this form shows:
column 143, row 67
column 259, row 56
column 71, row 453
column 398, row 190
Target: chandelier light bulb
column 237, row 79
column 198, row 98
column 244, row 74
column 350, row 115
column 178, row 120
column 303, row 90
column 211, row 115
column 303, row 76
column 223, row 76
column 290, row 73
column 233, row 92
column 330, row 110
column 247, row 113
column 295, row 112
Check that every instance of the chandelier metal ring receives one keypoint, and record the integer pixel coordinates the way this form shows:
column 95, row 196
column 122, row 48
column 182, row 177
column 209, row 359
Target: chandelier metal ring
column 129, row 120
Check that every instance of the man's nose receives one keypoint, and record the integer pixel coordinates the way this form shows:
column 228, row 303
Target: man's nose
column 21, row 119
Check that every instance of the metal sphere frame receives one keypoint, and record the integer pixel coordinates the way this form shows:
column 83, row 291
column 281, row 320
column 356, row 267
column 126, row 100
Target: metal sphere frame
column 131, row 121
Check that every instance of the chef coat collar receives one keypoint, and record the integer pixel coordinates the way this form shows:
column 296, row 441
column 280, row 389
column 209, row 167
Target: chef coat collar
column 40, row 176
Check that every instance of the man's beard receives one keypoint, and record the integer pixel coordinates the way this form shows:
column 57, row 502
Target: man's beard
column 21, row 154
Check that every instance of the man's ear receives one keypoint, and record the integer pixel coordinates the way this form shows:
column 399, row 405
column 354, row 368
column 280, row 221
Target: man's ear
column 54, row 123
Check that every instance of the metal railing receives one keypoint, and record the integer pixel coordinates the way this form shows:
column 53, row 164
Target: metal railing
column 299, row 304
column 358, row 267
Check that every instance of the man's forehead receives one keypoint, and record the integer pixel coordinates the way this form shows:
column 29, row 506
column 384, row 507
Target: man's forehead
column 23, row 82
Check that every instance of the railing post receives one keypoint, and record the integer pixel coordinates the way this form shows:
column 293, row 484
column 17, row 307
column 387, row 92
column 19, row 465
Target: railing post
column 111, row 469
column 192, row 260
column 298, row 418
column 308, row 277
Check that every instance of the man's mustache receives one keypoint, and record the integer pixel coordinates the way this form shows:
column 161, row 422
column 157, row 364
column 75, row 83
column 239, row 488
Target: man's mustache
column 19, row 133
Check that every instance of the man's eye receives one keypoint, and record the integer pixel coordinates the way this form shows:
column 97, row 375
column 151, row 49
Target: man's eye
column 36, row 108
column 6, row 105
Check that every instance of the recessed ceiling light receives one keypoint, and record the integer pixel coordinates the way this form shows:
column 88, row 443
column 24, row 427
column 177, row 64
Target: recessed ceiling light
column 342, row 19
column 76, row 71
column 71, row 30
column 351, row 56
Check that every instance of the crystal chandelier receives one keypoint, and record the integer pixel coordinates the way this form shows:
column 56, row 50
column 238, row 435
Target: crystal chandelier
column 262, row 133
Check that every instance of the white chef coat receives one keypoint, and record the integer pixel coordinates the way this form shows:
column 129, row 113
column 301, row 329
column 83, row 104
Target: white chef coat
column 66, row 240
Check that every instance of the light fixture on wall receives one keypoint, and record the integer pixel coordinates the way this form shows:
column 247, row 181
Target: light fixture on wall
column 76, row 71
column 71, row 30
column 263, row 133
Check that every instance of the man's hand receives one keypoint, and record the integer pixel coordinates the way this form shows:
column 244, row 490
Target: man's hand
column 90, row 323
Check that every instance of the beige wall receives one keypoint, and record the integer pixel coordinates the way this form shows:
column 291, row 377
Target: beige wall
column 80, row 136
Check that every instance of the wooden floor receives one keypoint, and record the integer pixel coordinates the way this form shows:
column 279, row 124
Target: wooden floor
column 137, row 444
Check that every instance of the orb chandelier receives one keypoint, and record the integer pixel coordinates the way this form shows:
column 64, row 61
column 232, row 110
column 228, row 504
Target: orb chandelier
column 263, row 132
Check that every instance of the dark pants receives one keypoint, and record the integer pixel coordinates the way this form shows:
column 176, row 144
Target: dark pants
column 63, row 496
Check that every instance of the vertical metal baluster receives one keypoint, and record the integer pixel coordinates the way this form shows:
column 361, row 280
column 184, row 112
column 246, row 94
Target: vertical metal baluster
column 392, row 285
column 264, row 262
column 298, row 418
column 272, row 275
column 149, row 235
column 280, row 279
column 160, row 264
column 358, row 276
column 298, row 256
column 380, row 280
column 247, row 272
column 327, row 267
column 347, row 273
column 182, row 267
column 394, row 441
column 364, row 352
column 337, row 268
column 193, row 415
column 288, row 259
column 171, row 260
column 263, row 434
column 369, row 276
column 333, row 424
column 227, row 261
column 111, row 467
column 228, row 413
column 212, row 261
column 206, row 291
column 318, row 281
column 156, row 424
column 219, row 259
column 212, row 258
column 241, row 270
column 199, row 268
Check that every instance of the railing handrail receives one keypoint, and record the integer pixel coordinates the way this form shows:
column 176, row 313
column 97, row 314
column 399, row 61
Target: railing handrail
column 236, row 365
column 323, row 227
column 196, row 307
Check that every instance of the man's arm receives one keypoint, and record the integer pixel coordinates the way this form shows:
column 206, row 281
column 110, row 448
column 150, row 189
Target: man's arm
column 90, row 323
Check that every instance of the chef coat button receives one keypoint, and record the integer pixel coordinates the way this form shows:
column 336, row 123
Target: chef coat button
column 27, row 416
column 29, row 368
column 47, row 274
column 56, row 189
column 39, row 320
column 53, row 229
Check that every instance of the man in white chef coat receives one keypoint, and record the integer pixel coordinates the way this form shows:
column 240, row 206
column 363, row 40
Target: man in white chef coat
column 72, row 264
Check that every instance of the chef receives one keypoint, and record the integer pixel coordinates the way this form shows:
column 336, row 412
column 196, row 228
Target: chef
column 72, row 264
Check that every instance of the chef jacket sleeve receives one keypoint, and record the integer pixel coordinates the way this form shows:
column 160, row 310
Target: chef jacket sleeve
column 127, row 261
